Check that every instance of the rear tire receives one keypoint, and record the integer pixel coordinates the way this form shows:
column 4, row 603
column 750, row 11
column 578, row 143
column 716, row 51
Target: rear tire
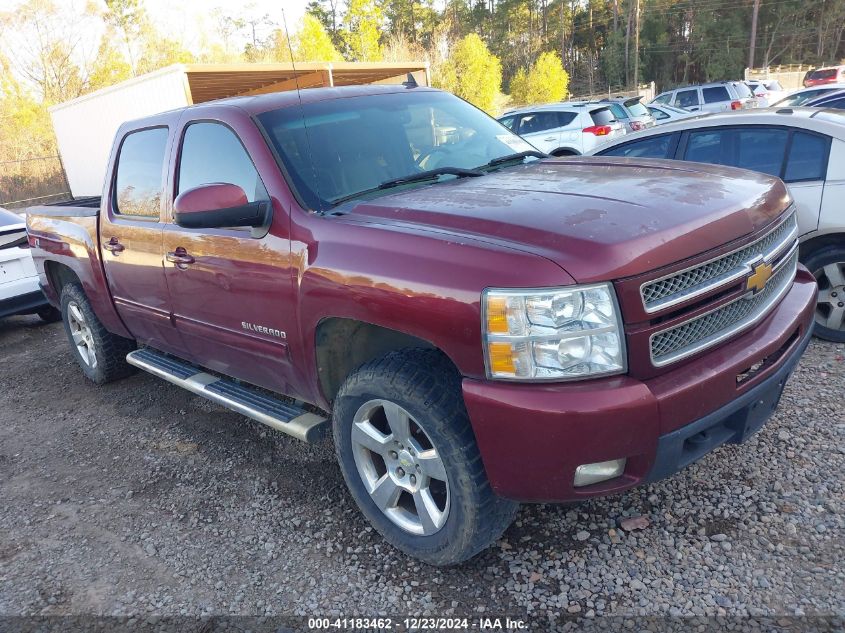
column 404, row 443
column 828, row 266
column 100, row 354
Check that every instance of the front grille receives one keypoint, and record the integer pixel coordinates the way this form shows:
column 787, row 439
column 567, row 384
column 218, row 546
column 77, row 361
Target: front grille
column 687, row 284
column 716, row 326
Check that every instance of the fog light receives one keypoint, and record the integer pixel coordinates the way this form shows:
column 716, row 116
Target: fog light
column 587, row 474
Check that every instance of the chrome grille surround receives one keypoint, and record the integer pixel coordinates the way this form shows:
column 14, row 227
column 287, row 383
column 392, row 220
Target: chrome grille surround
column 714, row 327
column 685, row 285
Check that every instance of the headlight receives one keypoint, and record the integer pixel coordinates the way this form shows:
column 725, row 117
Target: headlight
column 552, row 334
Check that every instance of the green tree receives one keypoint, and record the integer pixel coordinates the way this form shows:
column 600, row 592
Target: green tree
column 362, row 27
column 128, row 18
column 546, row 81
column 110, row 66
column 313, row 43
column 472, row 72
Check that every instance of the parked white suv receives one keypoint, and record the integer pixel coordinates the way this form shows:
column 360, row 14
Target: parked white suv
column 721, row 96
column 565, row 129
column 803, row 146
column 19, row 289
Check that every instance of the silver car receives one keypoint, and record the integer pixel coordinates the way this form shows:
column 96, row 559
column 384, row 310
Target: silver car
column 669, row 114
column 722, row 96
column 565, row 129
column 631, row 112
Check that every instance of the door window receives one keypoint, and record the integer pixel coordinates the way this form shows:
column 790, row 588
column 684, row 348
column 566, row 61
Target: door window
column 807, row 157
column 715, row 94
column 652, row 147
column 138, row 180
column 212, row 153
column 508, row 121
column 757, row 149
column 664, row 98
column 687, row 98
column 538, row 122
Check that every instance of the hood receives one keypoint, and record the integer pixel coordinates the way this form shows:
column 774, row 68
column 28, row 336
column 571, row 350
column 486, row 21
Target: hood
column 598, row 218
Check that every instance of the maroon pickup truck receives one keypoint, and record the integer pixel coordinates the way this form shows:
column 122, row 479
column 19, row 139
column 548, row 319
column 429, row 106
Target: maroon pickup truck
column 478, row 325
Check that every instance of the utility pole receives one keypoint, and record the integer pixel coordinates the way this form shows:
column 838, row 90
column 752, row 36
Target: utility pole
column 637, row 47
column 753, row 44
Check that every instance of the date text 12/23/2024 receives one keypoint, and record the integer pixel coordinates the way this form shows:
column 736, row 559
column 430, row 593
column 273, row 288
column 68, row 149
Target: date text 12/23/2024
column 418, row 623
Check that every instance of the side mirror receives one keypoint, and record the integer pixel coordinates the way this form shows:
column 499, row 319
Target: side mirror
column 218, row 205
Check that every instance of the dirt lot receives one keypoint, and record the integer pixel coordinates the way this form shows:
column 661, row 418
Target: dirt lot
column 139, row 498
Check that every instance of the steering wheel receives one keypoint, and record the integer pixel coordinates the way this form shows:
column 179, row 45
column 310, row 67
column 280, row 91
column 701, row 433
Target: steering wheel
column 424, row 159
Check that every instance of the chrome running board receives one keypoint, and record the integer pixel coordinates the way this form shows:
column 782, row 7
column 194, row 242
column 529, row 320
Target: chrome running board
column 283, row 416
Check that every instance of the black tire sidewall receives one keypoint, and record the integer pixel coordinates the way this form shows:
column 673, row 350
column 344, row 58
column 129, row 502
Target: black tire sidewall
column 815, row 261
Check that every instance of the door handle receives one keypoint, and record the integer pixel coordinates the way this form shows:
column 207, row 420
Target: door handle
column 114, row 246
column 180, row 257
column 550, row 138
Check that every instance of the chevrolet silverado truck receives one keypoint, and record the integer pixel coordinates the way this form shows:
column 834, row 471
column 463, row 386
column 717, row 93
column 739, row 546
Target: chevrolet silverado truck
column 477, row 324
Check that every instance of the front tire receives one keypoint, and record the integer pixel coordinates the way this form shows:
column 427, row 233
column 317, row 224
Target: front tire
column 828, row 266
column 409, row 457
column 100, row 354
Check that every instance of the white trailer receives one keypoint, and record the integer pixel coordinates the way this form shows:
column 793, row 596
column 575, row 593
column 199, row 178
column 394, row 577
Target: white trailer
column 85, row 127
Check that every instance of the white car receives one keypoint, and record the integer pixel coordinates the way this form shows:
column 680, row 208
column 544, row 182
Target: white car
column 803, row 146
column 19, row 289
column 565, row 129
column 807, row 94
column 766, row 91
column 667, row 114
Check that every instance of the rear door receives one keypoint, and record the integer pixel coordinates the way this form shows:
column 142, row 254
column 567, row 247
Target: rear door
column 231, row 288
column 688, row 99
column 541, row 129
column 131, row 234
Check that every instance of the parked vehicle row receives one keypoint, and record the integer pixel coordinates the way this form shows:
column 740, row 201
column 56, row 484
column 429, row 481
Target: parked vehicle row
column 719, row 96
column 483, row 324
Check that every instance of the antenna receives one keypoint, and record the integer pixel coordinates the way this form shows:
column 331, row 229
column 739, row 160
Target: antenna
column 302, row 110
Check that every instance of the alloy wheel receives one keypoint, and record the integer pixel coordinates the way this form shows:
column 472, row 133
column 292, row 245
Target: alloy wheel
column 830, row 309
column 81, row 334
column 401, row 469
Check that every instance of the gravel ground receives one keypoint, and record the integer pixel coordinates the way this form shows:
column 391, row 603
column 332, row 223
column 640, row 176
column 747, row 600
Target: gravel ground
column 139, row 498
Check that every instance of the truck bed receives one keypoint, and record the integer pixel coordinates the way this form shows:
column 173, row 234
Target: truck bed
column 75, row 207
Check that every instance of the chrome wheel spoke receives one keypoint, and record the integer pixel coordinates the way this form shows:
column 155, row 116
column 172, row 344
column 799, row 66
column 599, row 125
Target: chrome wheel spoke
column 78, row 337
column 76, row 313
column 834, row 275
column 431, row 464
column 431, row 517
column 386, row 493
column 399, row 422
column 369, row 437
column 835, row 318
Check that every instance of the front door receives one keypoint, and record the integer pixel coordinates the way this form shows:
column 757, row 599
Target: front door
column 131, row 239
column 231, row 288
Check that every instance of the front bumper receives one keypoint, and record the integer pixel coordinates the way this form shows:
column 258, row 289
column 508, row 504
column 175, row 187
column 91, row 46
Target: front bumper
column 532, row 437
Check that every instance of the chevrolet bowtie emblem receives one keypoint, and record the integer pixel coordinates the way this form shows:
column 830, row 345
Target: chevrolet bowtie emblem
column 757, row 280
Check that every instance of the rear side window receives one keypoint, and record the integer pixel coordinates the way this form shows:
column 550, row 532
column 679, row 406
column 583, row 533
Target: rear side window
column 618, row 111
column 602, row 116
column 539, row 122
column 807, row 157
column 687, row 98
column 140, row 166
column 212, row 153
column 636, row 108
column 742, row 91
column 652, row 147
column 715, row 94
column 757, row 149
column 836, row 104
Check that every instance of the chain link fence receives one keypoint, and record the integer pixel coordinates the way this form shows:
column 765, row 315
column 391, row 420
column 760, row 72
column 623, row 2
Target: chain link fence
column 32, row 181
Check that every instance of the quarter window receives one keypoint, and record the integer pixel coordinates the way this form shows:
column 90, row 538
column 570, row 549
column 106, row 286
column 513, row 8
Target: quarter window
column 715, row 94
column 807, row 157
column 212, row 153
column 140, row 166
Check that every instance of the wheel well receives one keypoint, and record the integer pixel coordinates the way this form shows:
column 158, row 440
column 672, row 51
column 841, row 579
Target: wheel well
column 343, row 345
column 564, row 151
column 811, row 246
column 58, row 276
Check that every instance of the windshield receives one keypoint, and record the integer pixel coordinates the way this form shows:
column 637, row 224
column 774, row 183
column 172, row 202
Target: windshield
column 742, row 90
column 7, row 219
column 636, row 108
column 336, row 148
column 803, row 97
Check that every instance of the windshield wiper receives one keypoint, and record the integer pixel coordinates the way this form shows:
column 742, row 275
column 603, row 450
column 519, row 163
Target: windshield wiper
column 429, row 174
column 520, row 156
